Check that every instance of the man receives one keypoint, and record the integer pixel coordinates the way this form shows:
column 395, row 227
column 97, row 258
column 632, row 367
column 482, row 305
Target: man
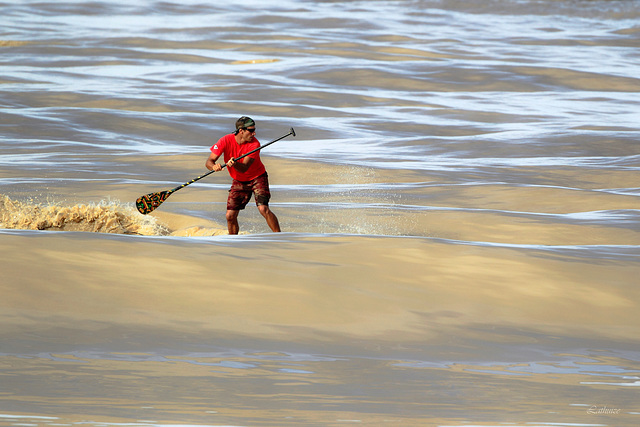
column 249, row 174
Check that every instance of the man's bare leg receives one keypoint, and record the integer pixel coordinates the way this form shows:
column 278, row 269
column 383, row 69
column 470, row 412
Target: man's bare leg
column 232, row 222
column 272, row 219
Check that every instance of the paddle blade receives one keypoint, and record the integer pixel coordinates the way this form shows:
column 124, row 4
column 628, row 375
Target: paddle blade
column 148, row 203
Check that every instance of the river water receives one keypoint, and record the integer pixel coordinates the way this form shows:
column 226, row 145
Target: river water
column 460, row 210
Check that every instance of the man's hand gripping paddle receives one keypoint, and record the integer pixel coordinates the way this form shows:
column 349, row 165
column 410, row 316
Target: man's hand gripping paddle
column 150, row 202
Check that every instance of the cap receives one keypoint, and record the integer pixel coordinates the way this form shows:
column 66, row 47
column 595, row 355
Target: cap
column 244, row 122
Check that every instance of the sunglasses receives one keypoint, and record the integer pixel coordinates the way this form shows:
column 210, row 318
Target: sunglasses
column 252, row 130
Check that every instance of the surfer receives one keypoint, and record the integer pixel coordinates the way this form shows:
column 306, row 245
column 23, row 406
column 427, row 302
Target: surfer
column 249, row 174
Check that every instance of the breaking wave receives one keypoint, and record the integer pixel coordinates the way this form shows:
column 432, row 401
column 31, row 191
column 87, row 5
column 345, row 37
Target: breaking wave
column 103, row 217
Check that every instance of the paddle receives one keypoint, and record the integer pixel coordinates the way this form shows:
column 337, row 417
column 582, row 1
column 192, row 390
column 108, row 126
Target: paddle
column 151, row 201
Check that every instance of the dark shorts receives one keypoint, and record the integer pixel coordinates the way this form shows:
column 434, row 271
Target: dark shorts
column 241, row 191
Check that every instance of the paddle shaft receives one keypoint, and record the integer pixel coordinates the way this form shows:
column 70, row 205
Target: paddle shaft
column 291, row 132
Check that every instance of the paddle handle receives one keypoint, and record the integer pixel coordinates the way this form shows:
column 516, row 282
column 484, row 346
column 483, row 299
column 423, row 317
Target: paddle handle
column 291, row 132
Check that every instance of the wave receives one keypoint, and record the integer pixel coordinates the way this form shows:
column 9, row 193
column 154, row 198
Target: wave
column 103, row 217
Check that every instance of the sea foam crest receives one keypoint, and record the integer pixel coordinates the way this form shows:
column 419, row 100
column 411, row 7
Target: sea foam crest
column 103, row 217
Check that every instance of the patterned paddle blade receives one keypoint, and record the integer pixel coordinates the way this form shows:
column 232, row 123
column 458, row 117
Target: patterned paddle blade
column 148, row 203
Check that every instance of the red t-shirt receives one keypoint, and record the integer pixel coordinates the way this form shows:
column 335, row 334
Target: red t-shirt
column 228, row 145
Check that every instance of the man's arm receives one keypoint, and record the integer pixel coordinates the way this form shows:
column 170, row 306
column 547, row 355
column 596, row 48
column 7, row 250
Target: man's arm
column 211, row 163
column 241, row 166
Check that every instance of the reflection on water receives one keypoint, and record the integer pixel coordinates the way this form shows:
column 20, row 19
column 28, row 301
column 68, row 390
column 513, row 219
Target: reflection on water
column 287, row 389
